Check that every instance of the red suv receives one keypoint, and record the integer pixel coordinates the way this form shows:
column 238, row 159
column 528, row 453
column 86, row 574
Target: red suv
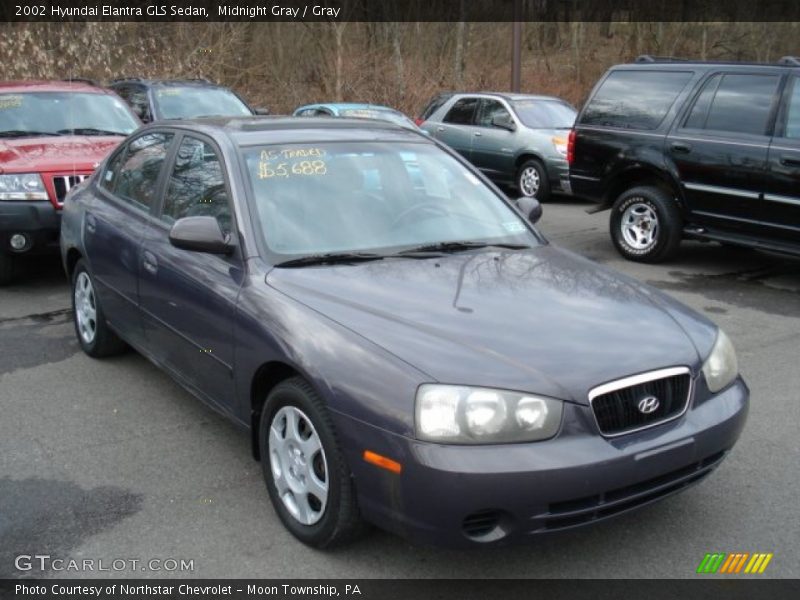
column 52, row 135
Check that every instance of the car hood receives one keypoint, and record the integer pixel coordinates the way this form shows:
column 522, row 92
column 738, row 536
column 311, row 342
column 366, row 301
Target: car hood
column 62, row 153
column 544, row 320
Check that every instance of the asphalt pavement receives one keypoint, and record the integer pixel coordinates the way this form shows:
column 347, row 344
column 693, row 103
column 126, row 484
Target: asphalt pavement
column 113, row 460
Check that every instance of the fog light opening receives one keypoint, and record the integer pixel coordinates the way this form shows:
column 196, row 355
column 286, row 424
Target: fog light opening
column 487, row 525
column 19, row 242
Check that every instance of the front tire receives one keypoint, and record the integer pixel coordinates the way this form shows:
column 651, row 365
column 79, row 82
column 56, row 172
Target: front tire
column 6, row 269
column 646, row 225
column 532, row 180
column 304, row 468
column 94, row 335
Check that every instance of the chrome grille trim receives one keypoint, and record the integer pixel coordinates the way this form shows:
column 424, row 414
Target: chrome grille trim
column 633, row 380
column 62, row 184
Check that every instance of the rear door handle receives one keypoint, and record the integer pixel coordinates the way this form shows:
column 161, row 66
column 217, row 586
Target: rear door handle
column 440, row 129
column 91, row 223
column 790, row 161
column 680, row 147
column 478, row 134
column 149, row 262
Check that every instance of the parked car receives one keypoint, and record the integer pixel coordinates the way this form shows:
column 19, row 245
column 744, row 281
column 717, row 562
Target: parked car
column 515, row 139
column 52, row 135
column 357, row 110
column 683, row 149
column 157, row 99
column 415, row 357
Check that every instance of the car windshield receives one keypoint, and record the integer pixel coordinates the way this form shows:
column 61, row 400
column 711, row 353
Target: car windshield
column 382, row 114
column 64, row 113
column 545, row 114
column 312, row 199
column 185, row 102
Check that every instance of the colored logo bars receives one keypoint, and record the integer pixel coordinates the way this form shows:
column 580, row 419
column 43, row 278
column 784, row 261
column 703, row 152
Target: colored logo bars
column 737, row 562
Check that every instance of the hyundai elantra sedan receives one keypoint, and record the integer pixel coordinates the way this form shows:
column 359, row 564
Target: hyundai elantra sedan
column 403, row 346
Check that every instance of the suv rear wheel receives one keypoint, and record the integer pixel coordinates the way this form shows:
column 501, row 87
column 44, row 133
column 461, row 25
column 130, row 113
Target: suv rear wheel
column 646, row 225
column 6, row 269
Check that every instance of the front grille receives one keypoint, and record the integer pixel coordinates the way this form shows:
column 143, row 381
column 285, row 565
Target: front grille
column 64, row 183
column 570, row 513
column 622, row 407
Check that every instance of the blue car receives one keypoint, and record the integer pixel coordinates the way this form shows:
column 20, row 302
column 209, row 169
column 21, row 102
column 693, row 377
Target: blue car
column 356, row 110
column 412, row 354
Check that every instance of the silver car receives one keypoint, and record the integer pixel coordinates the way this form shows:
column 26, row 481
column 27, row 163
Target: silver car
column 515, row 139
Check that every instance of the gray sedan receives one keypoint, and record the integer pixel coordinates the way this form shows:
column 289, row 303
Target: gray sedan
column 515, row 139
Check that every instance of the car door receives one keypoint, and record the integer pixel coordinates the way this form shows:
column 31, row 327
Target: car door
column 719, row 148
column 492, row 145
column 781, row 212
column 458, row 125
column 189, row 298
column 114, row 225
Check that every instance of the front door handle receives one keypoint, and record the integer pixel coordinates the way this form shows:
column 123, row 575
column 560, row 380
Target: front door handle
column 440, row 129
column 681, row 147
column 91, row 224
column 149, row 262
column 478, row 134
column 790, row 161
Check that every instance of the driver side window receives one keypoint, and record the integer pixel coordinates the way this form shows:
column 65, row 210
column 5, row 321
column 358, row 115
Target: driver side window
column 196, row 185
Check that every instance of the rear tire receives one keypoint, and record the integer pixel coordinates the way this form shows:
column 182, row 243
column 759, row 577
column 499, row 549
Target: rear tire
column 532, row 181
column 646, row 225
column 94, row 335
column 304, row 467
column 6, row 269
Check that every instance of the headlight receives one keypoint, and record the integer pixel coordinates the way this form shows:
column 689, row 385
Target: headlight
column 454, row 414
column 721, row 366
column 23, row 186
column 560, row 144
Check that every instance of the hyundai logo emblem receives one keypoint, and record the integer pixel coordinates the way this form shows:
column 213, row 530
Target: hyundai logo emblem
column 648, row 404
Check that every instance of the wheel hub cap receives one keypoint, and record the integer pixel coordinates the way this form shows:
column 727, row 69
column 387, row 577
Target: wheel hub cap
column 85, row 308
column 529, row 181
column 299, row 467
column 639, row 226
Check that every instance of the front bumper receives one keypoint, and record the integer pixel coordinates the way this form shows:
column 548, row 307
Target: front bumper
column 558, row 172
column 38, row 220
column 469, row 495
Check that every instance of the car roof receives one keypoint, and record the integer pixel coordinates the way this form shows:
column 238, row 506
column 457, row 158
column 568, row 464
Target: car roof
column 192, row 82
column 290, row 130
column 50, row 86
column 650, row 63
column 509, row 96
column 347, row 106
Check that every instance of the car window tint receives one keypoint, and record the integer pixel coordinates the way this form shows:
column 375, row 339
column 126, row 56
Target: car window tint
column 196, row 185
column 462, row 112
column 434, row 105
column 699, row 113
column 109, row 178
column 793, row 111
column 635, row 99
column 742, row 104
column 137, row 180
column 489, row 109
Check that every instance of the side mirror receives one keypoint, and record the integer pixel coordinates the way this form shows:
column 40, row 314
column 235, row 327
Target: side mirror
column 261, row 111
column 504, row 123
column 530, row 207
column 200, row 234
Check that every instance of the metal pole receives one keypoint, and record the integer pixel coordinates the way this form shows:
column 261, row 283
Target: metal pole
column 516, row 42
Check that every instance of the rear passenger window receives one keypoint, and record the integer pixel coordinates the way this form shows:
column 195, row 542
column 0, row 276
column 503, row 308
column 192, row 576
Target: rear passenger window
column 793, row 111
column 196, row 186
column 742, row 104
column 462, row 112
column 635, row 99
column 699, row 113
column 137, row 179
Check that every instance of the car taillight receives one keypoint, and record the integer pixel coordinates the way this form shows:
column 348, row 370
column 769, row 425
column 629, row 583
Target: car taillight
column 571, row 147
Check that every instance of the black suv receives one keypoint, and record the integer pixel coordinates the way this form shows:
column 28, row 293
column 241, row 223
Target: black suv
column 157, row 99
column 699, row 150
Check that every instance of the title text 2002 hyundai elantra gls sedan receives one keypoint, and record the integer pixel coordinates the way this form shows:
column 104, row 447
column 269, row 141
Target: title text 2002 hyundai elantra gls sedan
column 405, row 348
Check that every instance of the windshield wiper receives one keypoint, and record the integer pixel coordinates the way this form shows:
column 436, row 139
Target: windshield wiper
column 23, row 133
column 449, row 247
column 330, row 258
column 90, row 131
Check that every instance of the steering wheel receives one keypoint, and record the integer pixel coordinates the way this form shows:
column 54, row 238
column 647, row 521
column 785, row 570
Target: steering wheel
column 430, row 207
